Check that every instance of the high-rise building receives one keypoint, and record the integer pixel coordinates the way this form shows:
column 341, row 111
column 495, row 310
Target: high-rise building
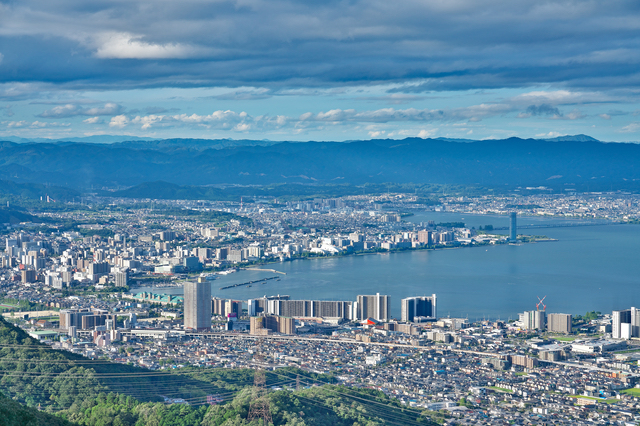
column 282, row 306
column 425, row 237
column 415, row 307
column 559, row 323
column 621, row 323
column 197, row 305
column 218, row 306
column 122, row 278
column 167, row 235
column 534, row 320
column 28, row 276
column 265, row 325
column 373, row 306
column 233, row 307
column 513, row 228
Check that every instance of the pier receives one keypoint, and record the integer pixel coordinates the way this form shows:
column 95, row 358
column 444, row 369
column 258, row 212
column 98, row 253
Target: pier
column 248, row 283
column 268, row 270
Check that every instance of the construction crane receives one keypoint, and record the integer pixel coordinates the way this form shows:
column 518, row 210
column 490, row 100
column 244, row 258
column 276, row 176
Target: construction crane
column 540, row 302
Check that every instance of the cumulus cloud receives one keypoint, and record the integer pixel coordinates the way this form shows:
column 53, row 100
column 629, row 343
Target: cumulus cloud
column 630, row 128
column 424, row 133
column 130, row 46
column 376, row 133
column 472, row 113
column 119, row 121
column 71, row 110
column 93, row 120
column 34, row 125
column 243, row 122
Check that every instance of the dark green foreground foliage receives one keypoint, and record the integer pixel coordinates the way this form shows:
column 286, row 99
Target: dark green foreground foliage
column 318, row 406
column 100, row 393
column 13, row 413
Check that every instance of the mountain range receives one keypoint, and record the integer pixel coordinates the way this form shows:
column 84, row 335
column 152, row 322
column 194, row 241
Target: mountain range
column 579, row 162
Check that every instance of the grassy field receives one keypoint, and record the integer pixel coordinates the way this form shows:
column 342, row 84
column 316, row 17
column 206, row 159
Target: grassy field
column 564, row 338
column 496, row 388
column 632, row 392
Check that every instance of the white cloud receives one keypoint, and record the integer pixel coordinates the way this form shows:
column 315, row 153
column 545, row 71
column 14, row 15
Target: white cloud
column 130, row 46
column 147, row 121
column 92, row 120
column 242, row 127
column 17, row 124
column 376, row 133
column 70, row 110
column 34, row 125
column 550, row 135
column 119, row 121
column 631, row 128
column 108, row 109
column 605, row 116
column 424, row 134
column 560, row 97
column 61, row 111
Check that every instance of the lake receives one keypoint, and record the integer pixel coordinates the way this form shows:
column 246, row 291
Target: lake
column 588, row 268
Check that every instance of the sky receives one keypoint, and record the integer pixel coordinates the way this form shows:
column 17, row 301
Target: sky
column 320, row 70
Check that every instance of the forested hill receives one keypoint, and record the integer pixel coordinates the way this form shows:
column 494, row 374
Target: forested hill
column 577, row 162
column 98, row 392
column 13, row 413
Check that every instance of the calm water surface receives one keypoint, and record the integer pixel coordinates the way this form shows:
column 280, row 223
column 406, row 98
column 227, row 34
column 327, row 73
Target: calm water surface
column 588, row 268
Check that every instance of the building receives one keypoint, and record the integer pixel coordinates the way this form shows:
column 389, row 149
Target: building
column 122, row 278
column 282, row 306
column 167, row 235
column 84, row 319
column 513, row 227
column 197, row 306
column 625, row 324
column 559, row 323
column 28, row 276
column 218, row 306
column 425, row 237
column 260, row 326
column 423, row 307
column 235, row 256
column 534, row 320
column 232, row 307
column 373, row 306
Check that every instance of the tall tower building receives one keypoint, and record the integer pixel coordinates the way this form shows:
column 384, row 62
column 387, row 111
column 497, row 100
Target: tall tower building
column 197, row 306
column 513, row 228
column 415, row 307
column 376, row 306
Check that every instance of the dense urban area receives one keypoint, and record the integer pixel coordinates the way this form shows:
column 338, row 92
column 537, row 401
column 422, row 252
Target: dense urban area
column 70, row 272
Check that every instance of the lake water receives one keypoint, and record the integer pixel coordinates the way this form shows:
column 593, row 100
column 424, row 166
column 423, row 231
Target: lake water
column 588, row 268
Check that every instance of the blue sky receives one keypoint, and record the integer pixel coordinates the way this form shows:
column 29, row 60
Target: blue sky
column 320, row 70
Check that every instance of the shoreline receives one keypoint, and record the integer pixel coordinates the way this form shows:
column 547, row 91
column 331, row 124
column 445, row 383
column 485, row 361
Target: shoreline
column 366, row 253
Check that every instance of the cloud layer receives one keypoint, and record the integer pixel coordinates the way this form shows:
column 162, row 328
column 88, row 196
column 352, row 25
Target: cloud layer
column 425, row 45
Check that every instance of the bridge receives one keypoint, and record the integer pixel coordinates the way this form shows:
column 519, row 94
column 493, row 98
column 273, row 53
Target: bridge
column 556, row 225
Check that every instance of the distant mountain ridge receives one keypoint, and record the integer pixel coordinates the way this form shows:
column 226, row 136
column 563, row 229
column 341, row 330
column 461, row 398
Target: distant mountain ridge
column 579, row 162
